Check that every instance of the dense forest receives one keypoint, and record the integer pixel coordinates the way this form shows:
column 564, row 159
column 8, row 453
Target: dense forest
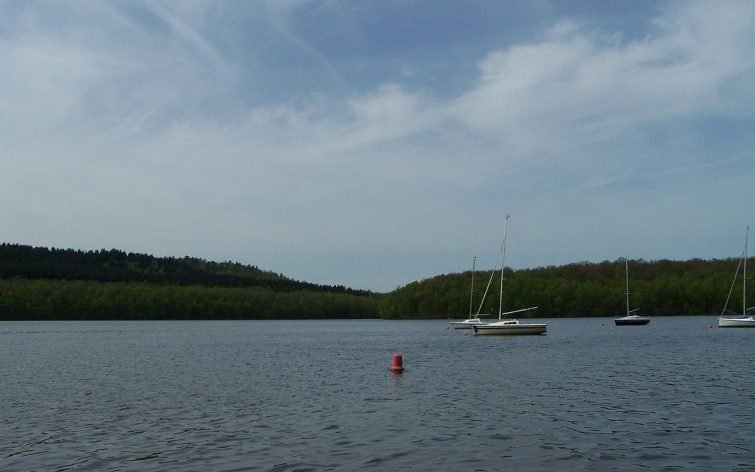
column 695, row 287
column 119, row 266
column 49, row 284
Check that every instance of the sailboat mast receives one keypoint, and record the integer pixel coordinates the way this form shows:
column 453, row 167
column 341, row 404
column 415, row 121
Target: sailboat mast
column 626, row 272
column 744, row 275
column 503, row 265
column 471, row 292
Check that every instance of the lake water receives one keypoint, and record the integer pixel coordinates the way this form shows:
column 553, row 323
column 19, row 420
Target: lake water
column 677, row 394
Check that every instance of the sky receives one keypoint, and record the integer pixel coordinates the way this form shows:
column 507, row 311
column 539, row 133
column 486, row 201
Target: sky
column 374, row 143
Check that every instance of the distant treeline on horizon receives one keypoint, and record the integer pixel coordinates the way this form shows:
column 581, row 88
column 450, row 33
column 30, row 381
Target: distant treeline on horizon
column 38, row 283
column 41, row 283
column 112, row 265
column 662, row 287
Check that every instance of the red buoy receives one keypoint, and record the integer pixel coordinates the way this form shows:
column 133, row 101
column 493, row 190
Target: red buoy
column 397, row 364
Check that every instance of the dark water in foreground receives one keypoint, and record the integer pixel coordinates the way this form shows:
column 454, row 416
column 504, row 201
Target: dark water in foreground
column 317, row 395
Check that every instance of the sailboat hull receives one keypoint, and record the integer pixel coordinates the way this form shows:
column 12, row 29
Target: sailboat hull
column 744, row 322
column 632, row 321
column 494, row 329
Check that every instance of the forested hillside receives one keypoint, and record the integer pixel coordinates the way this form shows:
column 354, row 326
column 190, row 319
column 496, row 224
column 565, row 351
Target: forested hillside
column 40, row 283
column 119, row 266
column 664, row 287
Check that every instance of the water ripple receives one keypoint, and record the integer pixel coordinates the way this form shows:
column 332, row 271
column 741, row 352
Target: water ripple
column 283, row 396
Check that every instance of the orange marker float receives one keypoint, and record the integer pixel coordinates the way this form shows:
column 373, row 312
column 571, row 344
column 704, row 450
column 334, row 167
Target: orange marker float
column 397, row 365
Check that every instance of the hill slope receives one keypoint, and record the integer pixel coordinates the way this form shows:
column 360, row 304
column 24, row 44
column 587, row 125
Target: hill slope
column 119, row 266
column 662, row 287
column 46, row 284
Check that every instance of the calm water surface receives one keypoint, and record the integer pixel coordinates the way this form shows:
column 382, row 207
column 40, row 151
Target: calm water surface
column 317, row 395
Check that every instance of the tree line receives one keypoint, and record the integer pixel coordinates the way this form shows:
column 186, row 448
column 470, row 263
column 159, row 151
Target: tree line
column 49, row 284
column 119, row 266
column 38, row 283
column 664, row 287
column 45, row 299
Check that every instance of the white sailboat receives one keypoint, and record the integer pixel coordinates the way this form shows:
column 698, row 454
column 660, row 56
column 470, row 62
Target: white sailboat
column 744, row 320
column 508, row 326
column 473, row 320
column 630, row 319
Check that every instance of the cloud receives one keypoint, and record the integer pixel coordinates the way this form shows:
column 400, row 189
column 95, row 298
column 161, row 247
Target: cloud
column 145, row 126
column 577, row 86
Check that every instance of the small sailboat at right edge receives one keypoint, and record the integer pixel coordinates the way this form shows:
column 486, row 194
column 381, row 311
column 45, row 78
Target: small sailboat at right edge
column 744, row 320
column 630, row 319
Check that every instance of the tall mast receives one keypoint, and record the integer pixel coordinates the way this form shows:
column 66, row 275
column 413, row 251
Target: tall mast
column 744, row 276
column 626, row 271
column 471, row 292
column 503, row 264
